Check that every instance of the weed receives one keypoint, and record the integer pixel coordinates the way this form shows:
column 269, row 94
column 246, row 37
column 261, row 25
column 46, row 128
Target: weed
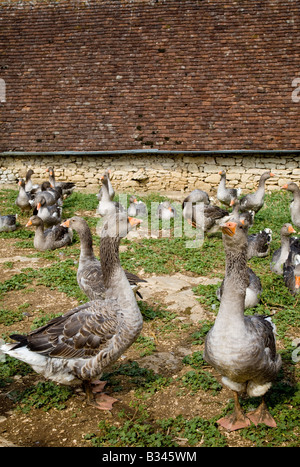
column 196, row 380
column 11, row 367
column 45, row 395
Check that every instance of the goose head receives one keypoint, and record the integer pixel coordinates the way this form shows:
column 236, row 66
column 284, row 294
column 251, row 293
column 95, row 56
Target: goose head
column 21, row 183
column 292, row 186
column 297, row 278
column 118, row 224
column 76, row 223
column 287, row 230
column 51, row 171
column 235, row 234
column 42, row 202
column 266, row 175
column 35, row 221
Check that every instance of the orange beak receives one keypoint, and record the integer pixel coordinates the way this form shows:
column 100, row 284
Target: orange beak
column 284, row 186
column 28, row 223
column 291, row 229
column 229, row 228
column 134, row 221
column 232, row 202
column 220, row 173
column 272, row 175
column 66, row 223
column 39, row 206
column 297, row 282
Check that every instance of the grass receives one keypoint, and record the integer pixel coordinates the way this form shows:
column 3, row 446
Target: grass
column 161, row 256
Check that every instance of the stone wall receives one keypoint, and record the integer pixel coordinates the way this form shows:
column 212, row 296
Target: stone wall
column 142, row 173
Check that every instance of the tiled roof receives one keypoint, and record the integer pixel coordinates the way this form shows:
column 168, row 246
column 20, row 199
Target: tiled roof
column 136, row 74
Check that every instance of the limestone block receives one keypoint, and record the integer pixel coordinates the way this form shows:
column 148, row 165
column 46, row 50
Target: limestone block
column 227, row 161
column 213, row 178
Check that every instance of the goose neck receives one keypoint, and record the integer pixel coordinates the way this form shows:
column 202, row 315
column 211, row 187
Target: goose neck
column 235, row 283
column 86, row 243
column 109, row 257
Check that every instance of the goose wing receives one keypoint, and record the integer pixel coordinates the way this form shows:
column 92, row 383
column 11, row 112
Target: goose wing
column 90, row 280
column 80, row 333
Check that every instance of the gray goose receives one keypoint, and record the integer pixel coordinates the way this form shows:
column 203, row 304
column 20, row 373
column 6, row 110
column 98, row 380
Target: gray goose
column 111, row 190
column 136, row 208
column 89, row 272
column 106, row 204
column 24, row 197
column 49, row 239
column 241, row 348
column 258, row 243
column 29, row 186
column 51, row 195
column 281, row 254
column 76, row 347
column 8, row 222
column 51, row 215
column 165, row 211
column 295, row 203
column 206, row 217
column 255, row 201
column 67, row 187
column 291, row 268
column 225, row 194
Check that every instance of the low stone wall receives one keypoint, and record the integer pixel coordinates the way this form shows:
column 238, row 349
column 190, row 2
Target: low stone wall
column 155, row 172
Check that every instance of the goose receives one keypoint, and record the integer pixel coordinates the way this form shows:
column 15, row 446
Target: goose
column 29, row 186
column 136, row 208
column 106, row 205
column 111, row 190
column 295, row 203
column 259, row 243
column 77, row 347
column 196, row 196
column 166, row 211
column 206, row 217
column 24, row 197
column 254, row 201
column 67, row 187
column 51, row 215
column 253, row 290
column 291, row 268
column 281, row 254
column 51, row 195
column 224, row 194
column 248, row 216
column 49, row 239
column 291, row 275
column 89, row 272
column 241, row 348
column 8, row 223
